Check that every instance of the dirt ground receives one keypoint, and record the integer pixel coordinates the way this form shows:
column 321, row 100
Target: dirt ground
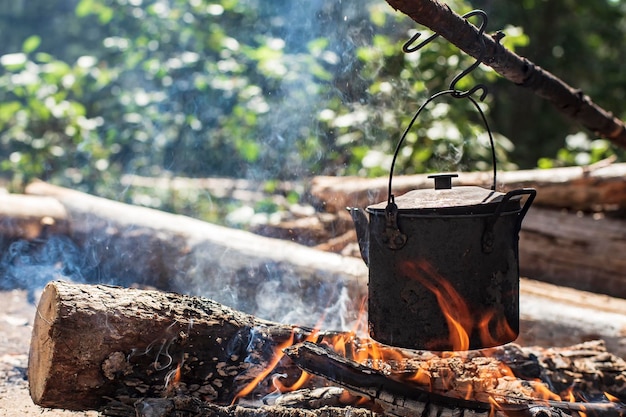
column 16, row 319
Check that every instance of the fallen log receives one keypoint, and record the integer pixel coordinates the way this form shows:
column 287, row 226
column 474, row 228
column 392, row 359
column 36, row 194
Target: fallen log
column 31, row 217
column 136, row 245
column 592, row 188
column 577, row 250
column 558, row 243
column 94, row 344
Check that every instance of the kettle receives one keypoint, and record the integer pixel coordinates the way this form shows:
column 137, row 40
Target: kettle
column 443, row 264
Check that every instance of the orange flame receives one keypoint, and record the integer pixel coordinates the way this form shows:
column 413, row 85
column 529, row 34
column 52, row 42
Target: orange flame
column 461, row 324
column 277, row 356
column 460, row 319
column 452, row 305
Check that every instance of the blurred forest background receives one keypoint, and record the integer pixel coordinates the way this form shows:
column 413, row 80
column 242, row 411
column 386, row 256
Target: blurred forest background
column 92, row 90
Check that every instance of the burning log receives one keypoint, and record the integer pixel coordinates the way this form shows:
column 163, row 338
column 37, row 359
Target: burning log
column 399, row 398
column 93, row 345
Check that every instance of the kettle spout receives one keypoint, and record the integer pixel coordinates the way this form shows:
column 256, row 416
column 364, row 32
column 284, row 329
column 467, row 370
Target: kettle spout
column 361, row 224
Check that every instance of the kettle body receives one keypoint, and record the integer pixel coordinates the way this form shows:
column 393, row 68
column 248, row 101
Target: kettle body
column 444, row 274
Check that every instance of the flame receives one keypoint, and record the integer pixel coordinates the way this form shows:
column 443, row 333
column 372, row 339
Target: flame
column 276, row 357
column 172, row 379
column 452, row 305
column 542, row 392
column 457, row 313
column 502, row 330
column 356, row 345
column 611, row 398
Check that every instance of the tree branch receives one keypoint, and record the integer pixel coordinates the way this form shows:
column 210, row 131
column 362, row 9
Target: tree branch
column 570, row 101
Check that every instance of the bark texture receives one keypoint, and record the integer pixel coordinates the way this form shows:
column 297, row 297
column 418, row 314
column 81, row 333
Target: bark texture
column 93, row 342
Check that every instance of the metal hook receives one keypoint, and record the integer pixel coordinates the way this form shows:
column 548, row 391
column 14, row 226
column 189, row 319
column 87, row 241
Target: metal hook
column 408, row 48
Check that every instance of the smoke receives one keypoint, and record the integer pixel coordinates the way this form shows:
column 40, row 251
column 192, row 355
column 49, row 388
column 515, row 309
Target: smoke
column 30, row 265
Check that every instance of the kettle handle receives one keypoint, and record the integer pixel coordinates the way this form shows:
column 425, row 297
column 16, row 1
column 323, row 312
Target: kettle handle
column 488, row 236
column 456, row 94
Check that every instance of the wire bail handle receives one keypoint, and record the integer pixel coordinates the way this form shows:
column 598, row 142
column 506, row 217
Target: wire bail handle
column 453, row 92
column 393, row 236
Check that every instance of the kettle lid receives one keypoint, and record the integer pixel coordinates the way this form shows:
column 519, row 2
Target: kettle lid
column 445, row 199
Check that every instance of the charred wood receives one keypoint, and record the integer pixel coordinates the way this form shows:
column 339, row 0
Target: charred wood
column 185, row 406
column 401, row 398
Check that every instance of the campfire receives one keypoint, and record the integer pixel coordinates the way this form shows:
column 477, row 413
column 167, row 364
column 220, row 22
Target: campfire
column 120, row 349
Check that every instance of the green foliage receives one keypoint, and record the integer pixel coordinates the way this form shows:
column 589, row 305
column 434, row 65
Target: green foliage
column 580, row 149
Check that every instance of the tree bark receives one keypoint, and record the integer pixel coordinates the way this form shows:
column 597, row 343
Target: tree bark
column 91, row 342
column 566, row 99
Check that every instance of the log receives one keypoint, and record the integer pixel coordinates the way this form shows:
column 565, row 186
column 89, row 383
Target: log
column 592, row 188
column 563, row 240
column 93, row 342
column 130, row 245
column 404, row 398
column 31, row 217
column 577, row 250
column 567, row 100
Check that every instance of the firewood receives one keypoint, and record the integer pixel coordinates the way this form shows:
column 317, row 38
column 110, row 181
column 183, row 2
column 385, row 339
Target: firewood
column 403, row 398
column 94, row 343
column 90, row 342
